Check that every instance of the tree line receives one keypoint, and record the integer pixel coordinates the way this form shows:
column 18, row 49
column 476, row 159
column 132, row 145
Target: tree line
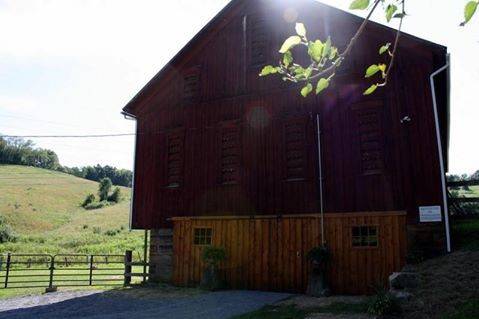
column 18, row 151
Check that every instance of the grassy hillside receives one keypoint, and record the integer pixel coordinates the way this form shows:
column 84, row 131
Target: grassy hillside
column 43, row 207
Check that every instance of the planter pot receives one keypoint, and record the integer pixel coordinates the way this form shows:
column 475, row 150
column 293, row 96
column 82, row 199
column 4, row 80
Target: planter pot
column 317, row 282
column 210, row 279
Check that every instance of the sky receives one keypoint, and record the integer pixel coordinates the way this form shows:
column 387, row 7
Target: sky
column 67, row 67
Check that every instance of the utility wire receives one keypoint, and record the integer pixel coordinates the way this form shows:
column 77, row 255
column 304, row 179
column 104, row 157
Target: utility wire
column 68, row 136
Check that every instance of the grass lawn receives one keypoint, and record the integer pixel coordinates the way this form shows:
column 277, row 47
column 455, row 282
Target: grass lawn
column 465, row 233
column 468, row 310
column 65, row 276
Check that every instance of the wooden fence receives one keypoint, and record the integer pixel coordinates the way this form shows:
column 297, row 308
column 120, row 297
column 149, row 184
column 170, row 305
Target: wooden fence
column 456, row 204
column 68, row 270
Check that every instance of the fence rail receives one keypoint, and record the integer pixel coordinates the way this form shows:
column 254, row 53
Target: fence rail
column 459, row 205
column 68, row 270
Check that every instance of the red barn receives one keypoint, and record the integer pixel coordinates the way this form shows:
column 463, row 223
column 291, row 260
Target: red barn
column 226, row 158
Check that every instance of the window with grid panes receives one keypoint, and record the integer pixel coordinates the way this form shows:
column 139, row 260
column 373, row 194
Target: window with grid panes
column 365, row 236
column 203, row 236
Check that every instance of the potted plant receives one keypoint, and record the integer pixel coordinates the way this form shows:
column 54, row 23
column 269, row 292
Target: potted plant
column 212, row 257
column 319, row 258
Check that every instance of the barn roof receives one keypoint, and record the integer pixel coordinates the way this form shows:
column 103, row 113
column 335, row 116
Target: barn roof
column 217, row 22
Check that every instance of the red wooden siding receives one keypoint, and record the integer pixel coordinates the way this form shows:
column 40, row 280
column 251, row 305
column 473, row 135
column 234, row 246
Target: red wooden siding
column 266, row 162
column 269, row 253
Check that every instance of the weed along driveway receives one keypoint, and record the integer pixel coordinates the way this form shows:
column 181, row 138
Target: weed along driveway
column 138, row 304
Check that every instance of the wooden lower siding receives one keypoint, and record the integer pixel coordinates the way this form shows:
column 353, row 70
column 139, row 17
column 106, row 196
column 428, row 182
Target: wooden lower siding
column 269, row 252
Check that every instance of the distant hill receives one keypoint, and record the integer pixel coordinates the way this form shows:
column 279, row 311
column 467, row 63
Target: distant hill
column 43, row 207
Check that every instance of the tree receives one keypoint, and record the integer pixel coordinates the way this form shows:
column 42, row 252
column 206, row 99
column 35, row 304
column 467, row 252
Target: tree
column 115, row 196
column 104, row 188
column 325, row 58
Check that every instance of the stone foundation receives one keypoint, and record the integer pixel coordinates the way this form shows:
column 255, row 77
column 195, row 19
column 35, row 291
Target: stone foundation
column 426, row 239
column 161, row 255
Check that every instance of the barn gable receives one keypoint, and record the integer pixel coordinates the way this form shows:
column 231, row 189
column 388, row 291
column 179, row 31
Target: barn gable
column 253, row 28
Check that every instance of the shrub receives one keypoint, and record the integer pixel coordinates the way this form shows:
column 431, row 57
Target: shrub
column 7, row 234
column 115, row 196
column 212, row 256
column 112, row 232
column 383, row 303
column 97, row 205
column 88, row 200
column 320, row 255
column 104, row 188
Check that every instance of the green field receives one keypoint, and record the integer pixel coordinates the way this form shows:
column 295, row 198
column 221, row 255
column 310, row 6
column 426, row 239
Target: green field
column 43, row 207
column 472, row 192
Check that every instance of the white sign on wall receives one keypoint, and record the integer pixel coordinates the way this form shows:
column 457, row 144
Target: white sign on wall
column 430, row 214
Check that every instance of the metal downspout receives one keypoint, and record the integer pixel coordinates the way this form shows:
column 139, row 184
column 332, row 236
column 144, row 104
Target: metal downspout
column 132, row 118
column 320, row 168
column 440, row 151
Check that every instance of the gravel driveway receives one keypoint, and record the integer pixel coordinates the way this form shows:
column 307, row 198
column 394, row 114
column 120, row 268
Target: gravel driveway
column 106, row 305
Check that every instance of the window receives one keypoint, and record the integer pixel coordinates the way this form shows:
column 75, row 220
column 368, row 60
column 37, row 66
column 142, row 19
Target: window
column 370, row 136
column 294, row 136
column 230, row 154
column 259, row 41
column 203, row 236
column 175, row 160
column 191, row 84
column 365, row 236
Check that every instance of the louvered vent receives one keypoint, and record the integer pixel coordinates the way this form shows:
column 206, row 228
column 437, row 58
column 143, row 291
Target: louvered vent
column 295, row 150
column 259, row 40
column 370, row 141
column 191, row 86
column 230, row 154
column 175, row 160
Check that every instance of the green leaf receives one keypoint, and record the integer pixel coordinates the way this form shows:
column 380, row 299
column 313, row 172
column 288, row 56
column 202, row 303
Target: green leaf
column 384, row 48
column 359, row 5
column 290, row 43
column 371, row 89
column 315, row 50
column 267, row 70
column 299, row 70
column 373, row 69
column 382, row 67
column 301, row 30
column 390, row 10
column 469, row 11
column 307, row 73
column 322, row 85
column 327, row 48
column 287, row 58
column 334, row 53
column 306, row 90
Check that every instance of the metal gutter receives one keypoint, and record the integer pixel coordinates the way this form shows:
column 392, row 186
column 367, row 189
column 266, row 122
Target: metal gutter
column 440, row 151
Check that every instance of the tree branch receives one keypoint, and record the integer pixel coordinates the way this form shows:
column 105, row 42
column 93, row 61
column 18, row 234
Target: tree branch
column 350, row 46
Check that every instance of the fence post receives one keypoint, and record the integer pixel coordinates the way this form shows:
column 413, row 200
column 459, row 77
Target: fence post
column 91, row 270
column 145, row 255
column 8, row 269
column 52, row 268
column 128, row 260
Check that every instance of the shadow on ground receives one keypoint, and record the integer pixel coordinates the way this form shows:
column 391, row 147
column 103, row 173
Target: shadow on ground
column 138, row 304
